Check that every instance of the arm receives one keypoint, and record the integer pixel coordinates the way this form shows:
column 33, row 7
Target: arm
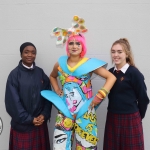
column 13, row 104
column 141, row 92
column 53, row 80
column 110, row 80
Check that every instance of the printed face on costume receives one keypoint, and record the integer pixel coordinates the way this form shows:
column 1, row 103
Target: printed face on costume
column 60, row 139
column 118, row 55
column 28, row 55
column 74, row 47
column 73, row 100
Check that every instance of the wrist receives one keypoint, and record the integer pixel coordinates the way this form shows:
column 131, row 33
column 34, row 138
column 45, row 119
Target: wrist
column 97, row 100
column 102, row 93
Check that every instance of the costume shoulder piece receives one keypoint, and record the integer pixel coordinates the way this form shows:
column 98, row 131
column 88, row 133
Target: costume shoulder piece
column 90, row 65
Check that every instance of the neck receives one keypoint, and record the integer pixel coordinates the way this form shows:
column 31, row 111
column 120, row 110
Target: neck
column 28, row 65
column 119, row 66
column 74, row 59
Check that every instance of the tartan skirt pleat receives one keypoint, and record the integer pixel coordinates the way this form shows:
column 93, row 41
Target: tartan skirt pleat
column 123, row 132
column 36, row 139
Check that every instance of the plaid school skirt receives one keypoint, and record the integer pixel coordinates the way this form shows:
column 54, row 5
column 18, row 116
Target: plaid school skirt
column 36, row 139
column 123, row 132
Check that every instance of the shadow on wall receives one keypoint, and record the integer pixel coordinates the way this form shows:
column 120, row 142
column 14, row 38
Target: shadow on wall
column 1, row 125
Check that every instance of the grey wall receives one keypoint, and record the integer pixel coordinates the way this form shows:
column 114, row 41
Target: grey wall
column 106, row 20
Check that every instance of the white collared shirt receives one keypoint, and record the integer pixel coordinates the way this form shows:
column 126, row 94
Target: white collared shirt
column 123, row 69
column 27, row 66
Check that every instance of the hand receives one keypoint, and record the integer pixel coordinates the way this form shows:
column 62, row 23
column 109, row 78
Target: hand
column 97, row 100
column 38, row 120
column 59, row 92
column 35, row 121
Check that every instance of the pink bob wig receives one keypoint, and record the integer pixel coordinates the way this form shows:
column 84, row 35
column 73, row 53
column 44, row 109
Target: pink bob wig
column 80, row 38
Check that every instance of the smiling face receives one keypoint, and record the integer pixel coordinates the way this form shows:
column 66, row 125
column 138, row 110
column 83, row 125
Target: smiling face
column 79, row 38
column 118, row 55
column 28, row 55
column 74, row 48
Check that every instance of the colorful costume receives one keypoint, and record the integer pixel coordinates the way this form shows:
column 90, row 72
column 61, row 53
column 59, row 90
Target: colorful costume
column 74, row 113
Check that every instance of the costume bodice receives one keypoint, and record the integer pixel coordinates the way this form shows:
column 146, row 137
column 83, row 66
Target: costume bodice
column 77, row 90
column 76, row 85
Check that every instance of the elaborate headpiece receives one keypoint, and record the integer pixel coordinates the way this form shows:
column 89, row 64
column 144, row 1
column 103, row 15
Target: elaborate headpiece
column 77, row 28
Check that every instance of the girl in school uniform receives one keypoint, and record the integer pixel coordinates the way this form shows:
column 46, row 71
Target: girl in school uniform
column 28, row 110
column 128, row 102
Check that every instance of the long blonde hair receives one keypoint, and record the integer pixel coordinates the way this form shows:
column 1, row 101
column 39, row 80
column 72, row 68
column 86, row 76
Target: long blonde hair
column 127, row 49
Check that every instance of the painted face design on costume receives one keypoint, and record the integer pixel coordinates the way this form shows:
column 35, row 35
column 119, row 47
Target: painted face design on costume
column 73, row 100
column 60, row 139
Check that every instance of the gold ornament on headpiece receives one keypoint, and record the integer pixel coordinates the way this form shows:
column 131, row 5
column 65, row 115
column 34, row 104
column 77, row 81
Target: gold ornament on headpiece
column 77, row 28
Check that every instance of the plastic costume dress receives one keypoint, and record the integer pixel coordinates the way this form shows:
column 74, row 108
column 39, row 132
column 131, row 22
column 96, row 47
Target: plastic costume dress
column 74, row 115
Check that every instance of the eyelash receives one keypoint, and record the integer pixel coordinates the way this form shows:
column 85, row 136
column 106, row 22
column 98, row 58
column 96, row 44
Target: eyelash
column 117, row 52
column 28, row 52
column 60, row 140
column 72, row 43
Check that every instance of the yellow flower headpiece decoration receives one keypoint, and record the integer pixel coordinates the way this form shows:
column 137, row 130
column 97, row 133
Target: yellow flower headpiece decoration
column 77, row 28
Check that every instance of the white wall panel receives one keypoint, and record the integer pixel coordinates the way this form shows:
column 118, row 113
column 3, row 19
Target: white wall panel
column 106, row 20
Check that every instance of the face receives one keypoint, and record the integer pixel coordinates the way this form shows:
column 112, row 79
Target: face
column 74, row 48
column 73, row 100
column 28, row 55
column 118, row 55
column 60, row 139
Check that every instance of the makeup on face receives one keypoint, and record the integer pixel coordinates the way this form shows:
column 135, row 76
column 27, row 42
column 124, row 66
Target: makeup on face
column 74, row 47
column 74, row 43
